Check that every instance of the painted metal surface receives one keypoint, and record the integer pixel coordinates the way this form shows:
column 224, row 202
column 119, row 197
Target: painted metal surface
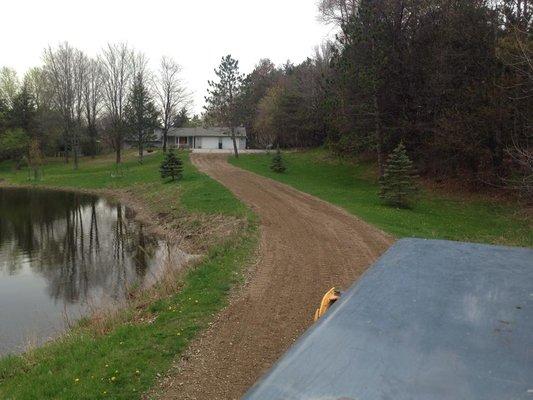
column 431, row 319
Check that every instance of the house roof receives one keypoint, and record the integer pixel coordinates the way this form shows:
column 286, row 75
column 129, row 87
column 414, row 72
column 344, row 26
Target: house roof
column 210, row 131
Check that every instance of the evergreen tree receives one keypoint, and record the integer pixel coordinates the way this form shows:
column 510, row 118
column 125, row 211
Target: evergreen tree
column 181, row 119
column 171, row 167
column 23, row 111
column 222, row 105
column 398, row 187
column 14, row 145
column 278, row 165
column 141, row 114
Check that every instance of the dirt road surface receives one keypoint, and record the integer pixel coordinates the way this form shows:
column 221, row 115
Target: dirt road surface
column 306, row 247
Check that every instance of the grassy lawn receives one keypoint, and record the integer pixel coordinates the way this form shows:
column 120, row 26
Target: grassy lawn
column 353, row 186
column 126, row 360
column 196, row 192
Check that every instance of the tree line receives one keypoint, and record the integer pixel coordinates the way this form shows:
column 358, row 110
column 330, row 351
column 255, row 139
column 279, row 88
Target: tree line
column 75, row 104
column 450, row 79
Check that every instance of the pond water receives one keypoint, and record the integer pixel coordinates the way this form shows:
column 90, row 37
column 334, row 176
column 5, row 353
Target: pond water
column 64, row 253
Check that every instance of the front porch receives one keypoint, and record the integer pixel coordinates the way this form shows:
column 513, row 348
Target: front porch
column 182, row 142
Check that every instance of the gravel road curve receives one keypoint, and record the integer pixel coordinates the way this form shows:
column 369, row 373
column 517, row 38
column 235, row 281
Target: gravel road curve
column 306, row 246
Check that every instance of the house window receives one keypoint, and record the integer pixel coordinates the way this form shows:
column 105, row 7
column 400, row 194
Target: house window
column 182, row 141
column 220, row 143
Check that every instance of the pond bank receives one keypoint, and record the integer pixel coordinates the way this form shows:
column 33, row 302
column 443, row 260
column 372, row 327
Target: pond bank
column 65, row 255
column 120, row 356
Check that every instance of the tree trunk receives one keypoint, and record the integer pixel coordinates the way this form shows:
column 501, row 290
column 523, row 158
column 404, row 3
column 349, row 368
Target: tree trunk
column 92, row 135
column 118, row 151
column 377, row 115
column 379, row 137
column 165, row 131
column 75, row 150
column 234, row 142
column 141, row 151
column 67, row 147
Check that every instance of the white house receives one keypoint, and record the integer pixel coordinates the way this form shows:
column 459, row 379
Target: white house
column 201, row 138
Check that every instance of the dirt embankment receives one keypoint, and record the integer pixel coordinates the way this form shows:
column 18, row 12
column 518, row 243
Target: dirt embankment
column 307, row 246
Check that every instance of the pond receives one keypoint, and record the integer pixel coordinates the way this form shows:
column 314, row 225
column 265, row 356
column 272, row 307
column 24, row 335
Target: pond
column 62, row 254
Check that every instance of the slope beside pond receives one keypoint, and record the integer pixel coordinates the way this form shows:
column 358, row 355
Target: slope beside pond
column 120, row 357
column 63, row 254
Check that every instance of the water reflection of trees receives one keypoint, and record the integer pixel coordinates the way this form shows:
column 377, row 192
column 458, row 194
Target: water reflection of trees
column 85, row 247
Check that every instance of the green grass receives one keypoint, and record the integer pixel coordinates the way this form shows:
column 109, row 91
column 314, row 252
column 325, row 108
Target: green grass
column 196, row 192
column 125, row 362
column 353, row 186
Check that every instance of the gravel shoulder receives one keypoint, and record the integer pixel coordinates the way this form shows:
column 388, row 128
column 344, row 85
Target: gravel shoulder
column 306, row 246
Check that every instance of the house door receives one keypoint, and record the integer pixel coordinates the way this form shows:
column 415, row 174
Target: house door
column 220, row 143
column 182, row 142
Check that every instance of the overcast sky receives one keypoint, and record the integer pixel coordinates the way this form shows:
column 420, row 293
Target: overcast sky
column 195, row 33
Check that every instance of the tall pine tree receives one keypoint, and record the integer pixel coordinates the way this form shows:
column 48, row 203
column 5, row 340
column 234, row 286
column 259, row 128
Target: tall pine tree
column 23, row 112
column 141, row 114
column 221, row 102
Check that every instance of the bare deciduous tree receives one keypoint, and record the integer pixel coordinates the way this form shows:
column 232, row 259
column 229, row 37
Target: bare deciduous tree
column 39, row 87
column 118, row 65
column 266, row 121
column 139, row 67
column 81, row 68
column 9, row 84
column 522, row 155
column 518, row 56
column 337, row 12
column 64, row 67
column 93, row 96
column 171, row 94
